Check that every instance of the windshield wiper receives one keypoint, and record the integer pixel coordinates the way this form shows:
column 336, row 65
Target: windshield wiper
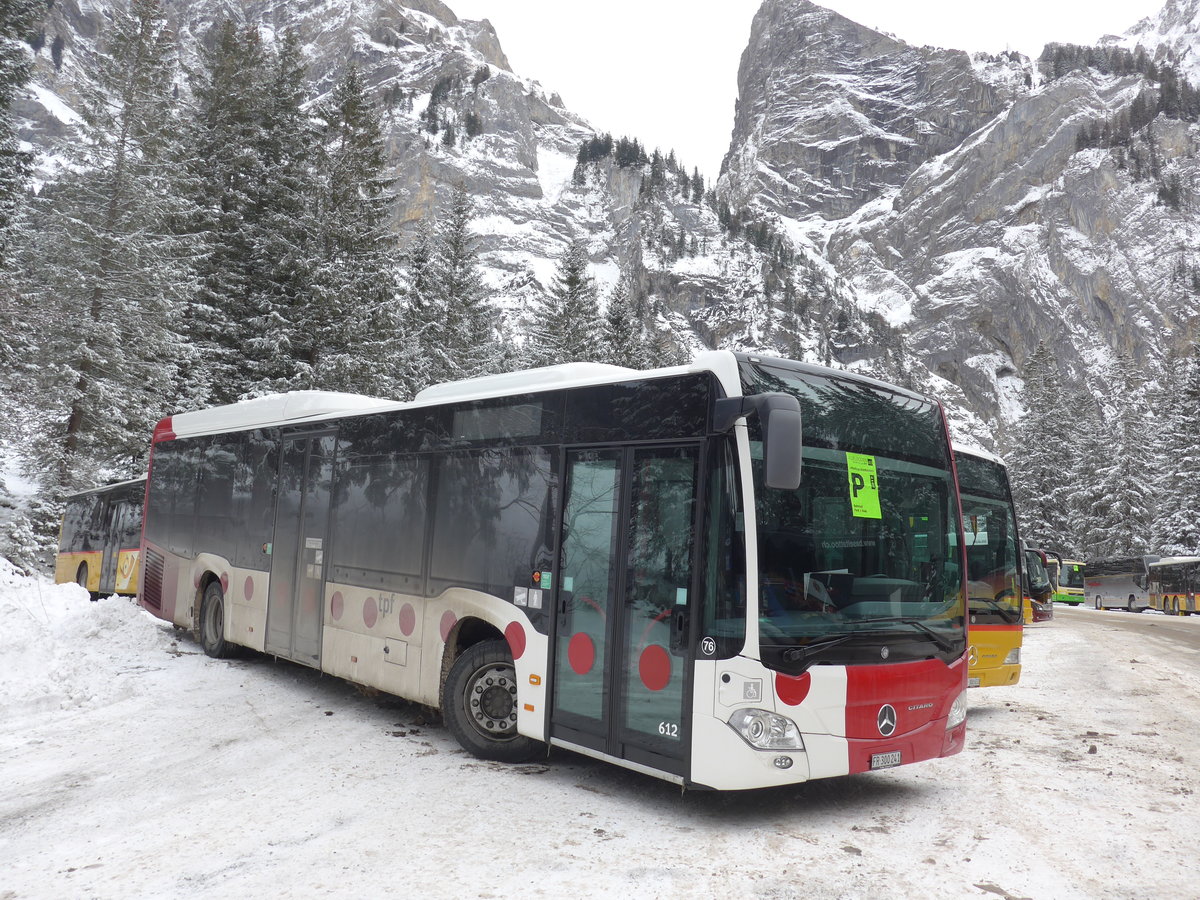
column 801, row 653
column 1008, row 613
column 943, row 643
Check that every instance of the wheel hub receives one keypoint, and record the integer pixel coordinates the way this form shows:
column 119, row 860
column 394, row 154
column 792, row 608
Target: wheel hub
column 492, row 699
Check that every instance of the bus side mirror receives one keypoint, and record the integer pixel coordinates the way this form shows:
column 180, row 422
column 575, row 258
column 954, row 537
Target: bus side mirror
column 782, row 438
column 782, row 433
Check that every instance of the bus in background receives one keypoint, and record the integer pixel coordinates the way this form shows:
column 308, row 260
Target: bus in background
column 1038, row 591
column 1120, row 583
column 1175, row 585
column 1053, row 561
column 1068, row 580
column 99, row 537
column 626, row 564
column 993, row 569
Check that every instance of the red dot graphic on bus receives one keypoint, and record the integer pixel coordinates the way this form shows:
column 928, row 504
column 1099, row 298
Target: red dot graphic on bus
column 449, row 620
column 370, row 612
column 581, row 653
column 225, row 583
column 248, row 588
column 515, row 635
column 337, row 605
column 408, row 619
column 792, row 689
column 654, row 666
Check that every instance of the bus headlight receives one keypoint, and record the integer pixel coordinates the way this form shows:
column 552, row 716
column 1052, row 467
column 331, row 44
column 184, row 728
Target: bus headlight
column 1014, row 657
column 958, row 711
column 765, row 730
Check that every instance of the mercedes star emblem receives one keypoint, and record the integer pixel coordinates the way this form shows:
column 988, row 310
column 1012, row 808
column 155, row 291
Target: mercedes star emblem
column 886, row 720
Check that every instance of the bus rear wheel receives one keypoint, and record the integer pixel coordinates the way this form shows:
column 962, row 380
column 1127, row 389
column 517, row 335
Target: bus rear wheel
column 212, row 623
column 479, row 705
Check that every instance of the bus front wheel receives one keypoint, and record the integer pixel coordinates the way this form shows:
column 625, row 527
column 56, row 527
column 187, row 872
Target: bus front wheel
column 1099, row 605
column 212, row 623
column 479, row 705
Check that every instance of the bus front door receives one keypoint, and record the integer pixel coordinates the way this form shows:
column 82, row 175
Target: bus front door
column 295, row 603
column 623, row 589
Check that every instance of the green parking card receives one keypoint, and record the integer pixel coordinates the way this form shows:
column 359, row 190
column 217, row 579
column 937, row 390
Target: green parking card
column 864, row 486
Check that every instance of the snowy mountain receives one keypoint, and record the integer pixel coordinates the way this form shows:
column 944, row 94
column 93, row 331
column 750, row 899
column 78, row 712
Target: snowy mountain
column 1173, row 34
column 831, row 114
column 456, row 114
column 957, row 197
column 920, row 212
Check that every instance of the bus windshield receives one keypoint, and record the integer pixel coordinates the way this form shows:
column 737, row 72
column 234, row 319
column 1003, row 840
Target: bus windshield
column 861, row 562
column 1036, row 575
column 1071, row 575
column 990, row 534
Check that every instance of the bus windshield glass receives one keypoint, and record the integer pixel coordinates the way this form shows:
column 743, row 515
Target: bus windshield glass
column 1071, row 575
column 990, row 534
column 860, row 563
column 1036, row 575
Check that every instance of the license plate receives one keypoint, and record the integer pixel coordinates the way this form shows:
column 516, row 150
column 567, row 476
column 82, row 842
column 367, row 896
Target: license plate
column 972, row 682
column 885, row 760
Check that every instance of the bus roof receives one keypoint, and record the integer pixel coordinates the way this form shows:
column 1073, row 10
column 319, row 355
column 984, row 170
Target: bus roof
column 1175, row 561
column 115, row 486
column 979, row 452
column 298, row 407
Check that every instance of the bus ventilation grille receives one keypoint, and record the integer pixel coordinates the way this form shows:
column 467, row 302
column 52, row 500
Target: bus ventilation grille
column 152, row 580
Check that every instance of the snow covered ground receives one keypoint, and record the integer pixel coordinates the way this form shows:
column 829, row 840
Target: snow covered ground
column 131, row 765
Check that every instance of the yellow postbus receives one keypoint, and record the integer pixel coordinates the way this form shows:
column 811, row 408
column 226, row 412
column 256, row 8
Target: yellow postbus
column 993, row 569
column 98, row 542
column 1175, row 585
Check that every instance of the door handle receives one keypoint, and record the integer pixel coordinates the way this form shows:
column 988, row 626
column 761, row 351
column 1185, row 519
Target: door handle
column 679, row 624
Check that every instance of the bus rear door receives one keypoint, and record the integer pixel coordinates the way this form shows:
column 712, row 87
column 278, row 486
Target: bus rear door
column 296, row 599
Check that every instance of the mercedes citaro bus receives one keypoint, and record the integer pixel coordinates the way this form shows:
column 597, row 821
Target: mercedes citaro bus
column 736, row 573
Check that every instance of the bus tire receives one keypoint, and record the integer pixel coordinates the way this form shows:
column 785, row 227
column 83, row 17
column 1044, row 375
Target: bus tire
column 81, row 578
column 479, row 705
column 1131, row 605
column 1099, row 605
column 212, row 623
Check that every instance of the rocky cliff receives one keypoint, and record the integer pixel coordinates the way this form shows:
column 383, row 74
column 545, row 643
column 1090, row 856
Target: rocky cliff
column 954, row 195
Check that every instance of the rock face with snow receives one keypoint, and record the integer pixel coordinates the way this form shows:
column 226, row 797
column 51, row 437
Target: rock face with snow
column 953, row 195
column 1173, row 34
column 831, row 114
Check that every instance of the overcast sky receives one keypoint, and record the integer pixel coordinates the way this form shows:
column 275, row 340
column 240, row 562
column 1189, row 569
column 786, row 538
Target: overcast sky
column 665, row 71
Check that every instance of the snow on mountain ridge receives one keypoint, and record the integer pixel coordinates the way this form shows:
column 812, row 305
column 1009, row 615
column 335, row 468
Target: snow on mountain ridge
column 1173, row 34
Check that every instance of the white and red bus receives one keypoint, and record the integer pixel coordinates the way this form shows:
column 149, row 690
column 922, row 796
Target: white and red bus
column 639, row 566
